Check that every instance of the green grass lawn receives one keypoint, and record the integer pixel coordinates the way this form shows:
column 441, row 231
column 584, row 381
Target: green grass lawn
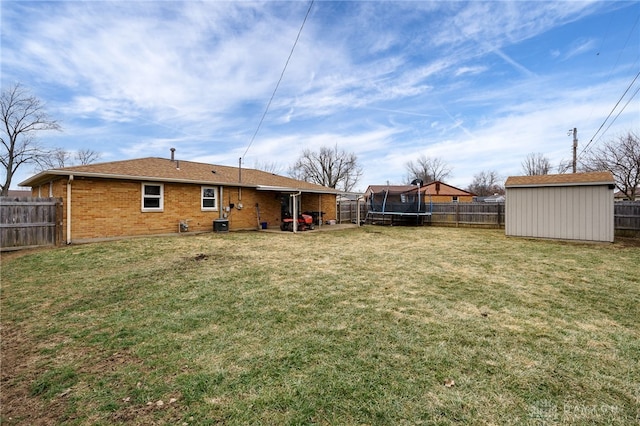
column 364, row 326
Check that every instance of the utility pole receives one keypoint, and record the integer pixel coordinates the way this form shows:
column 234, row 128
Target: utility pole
column 575, row 148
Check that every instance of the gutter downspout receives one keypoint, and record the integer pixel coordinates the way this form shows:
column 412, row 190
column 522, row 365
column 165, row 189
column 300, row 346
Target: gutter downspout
column 239, row 180
column 221, row 207
column 69, row 209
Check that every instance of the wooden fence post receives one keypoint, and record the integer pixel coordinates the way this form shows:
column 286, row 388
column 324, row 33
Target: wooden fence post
column 58, row 219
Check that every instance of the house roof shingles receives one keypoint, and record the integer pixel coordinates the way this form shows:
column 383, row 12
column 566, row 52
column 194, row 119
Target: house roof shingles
column 572, row 179
column 166, row 170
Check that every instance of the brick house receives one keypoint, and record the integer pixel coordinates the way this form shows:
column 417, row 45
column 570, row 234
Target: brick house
column 440, row 192
column 153, row 196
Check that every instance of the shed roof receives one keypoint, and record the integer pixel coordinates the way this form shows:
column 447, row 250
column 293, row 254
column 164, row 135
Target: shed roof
column 166, row 170
column 572, row 179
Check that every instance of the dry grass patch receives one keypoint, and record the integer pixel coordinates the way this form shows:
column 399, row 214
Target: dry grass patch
column 363, row 326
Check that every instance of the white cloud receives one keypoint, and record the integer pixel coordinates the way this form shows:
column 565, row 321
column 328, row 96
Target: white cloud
column 470, row 70
column 387, row 80
column 580, row 46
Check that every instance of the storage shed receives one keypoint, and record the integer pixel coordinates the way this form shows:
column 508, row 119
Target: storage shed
column 575, row 206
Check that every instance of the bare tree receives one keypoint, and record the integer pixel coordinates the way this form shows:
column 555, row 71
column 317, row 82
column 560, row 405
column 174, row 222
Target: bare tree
column 428, row 169
column 328, row 167
column 270, row 167
column 536, row 164
column 56, row 158
column 60, row 157
column 87, row 156
column 565, row 166
column 486, row 183
column 622, row 158
column 23, row 116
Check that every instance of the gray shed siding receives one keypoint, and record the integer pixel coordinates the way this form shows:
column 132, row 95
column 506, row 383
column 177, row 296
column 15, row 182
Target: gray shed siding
column 582, row 212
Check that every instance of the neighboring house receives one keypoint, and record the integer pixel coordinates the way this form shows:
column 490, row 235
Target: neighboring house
column 576, row 206
column 18, row 193
column 152, row 196
column 440, row 192
column 621, row 196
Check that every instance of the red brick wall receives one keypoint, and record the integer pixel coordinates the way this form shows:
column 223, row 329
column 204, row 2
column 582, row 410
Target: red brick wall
column 448, row 198
column 102, row 208
column 320, row 202
column 247, row 216
column 270, row 207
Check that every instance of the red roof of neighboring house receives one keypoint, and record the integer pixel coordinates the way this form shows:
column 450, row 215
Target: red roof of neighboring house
column 569, row 179
column 441, row 188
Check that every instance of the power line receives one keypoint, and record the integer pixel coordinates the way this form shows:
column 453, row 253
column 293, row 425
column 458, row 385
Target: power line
column 279, row 80
column 623, row 108
column 609, row 116
column 615, row 65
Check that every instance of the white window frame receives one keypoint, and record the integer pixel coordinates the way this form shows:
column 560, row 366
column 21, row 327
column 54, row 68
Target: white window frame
column 215, row 199
column 455, row 198
column 151, row 196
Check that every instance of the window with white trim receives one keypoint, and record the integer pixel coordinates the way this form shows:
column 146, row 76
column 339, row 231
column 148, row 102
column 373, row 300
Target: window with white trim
column 209, row 198
column 454, row 199
column 152, row 197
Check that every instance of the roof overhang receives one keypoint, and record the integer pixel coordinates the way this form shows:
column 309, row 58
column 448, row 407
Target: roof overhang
column 292, row 190
column 560, row 184
column 46, row 176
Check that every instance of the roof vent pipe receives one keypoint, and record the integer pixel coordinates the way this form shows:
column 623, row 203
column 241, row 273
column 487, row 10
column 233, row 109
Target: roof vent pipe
column 173, row 152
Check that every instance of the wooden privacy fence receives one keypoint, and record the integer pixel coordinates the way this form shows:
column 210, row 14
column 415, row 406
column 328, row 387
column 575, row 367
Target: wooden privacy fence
column 482, row 215
column 485, row 215
column 348, row 211
column 491, row 215
column 627, row 217
column 29, row 222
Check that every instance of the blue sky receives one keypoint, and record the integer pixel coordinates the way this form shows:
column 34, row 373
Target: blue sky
column 478, row 84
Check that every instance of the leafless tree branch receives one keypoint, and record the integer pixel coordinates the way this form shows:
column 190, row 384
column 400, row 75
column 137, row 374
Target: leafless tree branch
column 621, row 157
column 329, row 167
column 536, row 164
column 23, row 116
column 428, row 169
